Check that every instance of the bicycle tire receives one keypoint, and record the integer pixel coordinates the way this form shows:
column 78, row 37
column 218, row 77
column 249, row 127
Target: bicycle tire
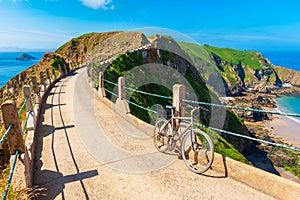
column 161, row 135
column 198, row 158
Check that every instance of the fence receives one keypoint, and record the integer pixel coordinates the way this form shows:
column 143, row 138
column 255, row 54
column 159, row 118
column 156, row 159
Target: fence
column 178, row 98
column 15, row 131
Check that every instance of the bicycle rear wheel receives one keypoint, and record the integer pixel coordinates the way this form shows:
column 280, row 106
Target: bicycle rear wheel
column 161, row 135
column 197, row 151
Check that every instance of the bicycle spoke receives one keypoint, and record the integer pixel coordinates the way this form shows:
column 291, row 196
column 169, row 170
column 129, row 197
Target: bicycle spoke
column 161, row 135
column 198, row 152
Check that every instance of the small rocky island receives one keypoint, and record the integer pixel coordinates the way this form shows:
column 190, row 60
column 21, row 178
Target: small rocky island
column 26, row 57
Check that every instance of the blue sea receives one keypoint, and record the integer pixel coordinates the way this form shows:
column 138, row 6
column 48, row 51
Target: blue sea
column 289, row 60
column 10, row 67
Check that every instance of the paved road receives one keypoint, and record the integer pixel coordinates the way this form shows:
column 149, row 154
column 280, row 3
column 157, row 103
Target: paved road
column 85, row 151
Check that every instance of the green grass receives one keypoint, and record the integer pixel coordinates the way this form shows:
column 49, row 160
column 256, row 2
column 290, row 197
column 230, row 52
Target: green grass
column 293, row 163
column 233, row 56
column 224, row 148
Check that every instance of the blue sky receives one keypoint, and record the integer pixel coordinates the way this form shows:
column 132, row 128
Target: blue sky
column 248, row 24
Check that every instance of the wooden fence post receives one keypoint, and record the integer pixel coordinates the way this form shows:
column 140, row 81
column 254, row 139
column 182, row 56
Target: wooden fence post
column 121, row 88
column 121, row 104
column 31, row 124
column 179, row 93
column 60, row 70
column 11, row 117
column 92, row 78
column 101, row 90
column 36, row 89
column 53, row 74
column 48, row 75
column 65, row 69
column 43, row 82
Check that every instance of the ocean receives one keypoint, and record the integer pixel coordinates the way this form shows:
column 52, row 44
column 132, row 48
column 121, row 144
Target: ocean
column 291, row 60
column 10, row 67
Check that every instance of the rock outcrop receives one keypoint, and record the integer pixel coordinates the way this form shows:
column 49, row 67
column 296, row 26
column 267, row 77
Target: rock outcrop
column 25, row 57
column 288, row 75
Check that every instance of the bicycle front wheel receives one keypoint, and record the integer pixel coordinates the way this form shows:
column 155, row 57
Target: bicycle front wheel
column 197, row 151
column 162, row 134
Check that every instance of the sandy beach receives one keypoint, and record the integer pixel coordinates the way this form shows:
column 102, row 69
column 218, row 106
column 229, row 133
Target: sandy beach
column 285, row 128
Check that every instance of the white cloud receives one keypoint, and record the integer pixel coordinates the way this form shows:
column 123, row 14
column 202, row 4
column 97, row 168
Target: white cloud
column 96, row 4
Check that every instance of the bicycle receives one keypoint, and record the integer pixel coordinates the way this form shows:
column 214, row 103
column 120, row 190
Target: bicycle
column 196, row 147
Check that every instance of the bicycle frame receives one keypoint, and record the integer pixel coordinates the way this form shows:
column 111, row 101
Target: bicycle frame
column 196, row 147
column 190, row 125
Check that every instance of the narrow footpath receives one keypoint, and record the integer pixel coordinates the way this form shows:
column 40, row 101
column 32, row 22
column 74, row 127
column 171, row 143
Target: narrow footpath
column 85, row 151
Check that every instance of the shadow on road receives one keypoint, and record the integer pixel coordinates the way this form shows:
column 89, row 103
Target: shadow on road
column 52, row 183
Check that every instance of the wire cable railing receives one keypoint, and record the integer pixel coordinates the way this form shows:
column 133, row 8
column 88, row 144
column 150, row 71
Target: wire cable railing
column 112, row 83
column 139, row 91
column 12, row 169
column 22, row 106
column 246, row 109
column 147, row 93
column 5, row 134
column 248, row 137
column 242, row 108
column 110, row 92
column 139, row 106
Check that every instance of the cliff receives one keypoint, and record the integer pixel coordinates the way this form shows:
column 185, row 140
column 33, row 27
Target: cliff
column 288, row 75
column 100, row 46
column 249, row 71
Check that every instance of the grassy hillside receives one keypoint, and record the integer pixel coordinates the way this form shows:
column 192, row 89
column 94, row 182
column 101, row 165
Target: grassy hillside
column 250, row 58
column 240, row 70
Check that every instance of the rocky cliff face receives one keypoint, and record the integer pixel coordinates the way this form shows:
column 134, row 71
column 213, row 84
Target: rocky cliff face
column 100, row 46
column 241, row 77
column 288, row 76
column 250, row 71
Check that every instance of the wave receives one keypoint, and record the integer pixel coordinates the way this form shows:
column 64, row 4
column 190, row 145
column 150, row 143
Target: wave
column 291, row 118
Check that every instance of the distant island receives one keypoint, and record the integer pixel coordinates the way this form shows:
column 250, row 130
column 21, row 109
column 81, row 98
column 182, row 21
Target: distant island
column 26, row 57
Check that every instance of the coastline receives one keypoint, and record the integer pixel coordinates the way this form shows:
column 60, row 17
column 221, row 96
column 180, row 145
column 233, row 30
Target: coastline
column 285, row 128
